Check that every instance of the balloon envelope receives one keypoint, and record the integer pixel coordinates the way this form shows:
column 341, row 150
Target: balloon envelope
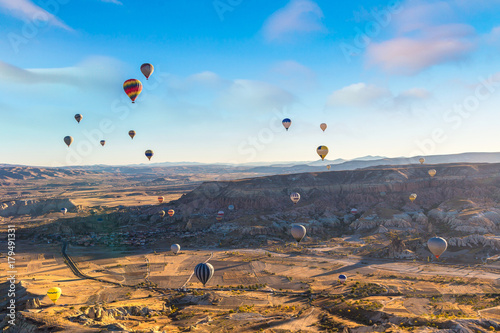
column 78, row 117
column 160, row 199
column 68, row 140
column 322, row 152
column 328, row 166
column 220, row 215
column 103, row 142
column 286, row 123
column 175, row 248
column 149, row 153
column 342, row 278
column 295, row 197
column 162, row 213
column 64, row 211
column 131, row 133
column 298, row 232
column 147, row 69
column 54, row 293
column 132, row 88
column 437, row 246
column 230, row 207
column 413, row 197
column 204, row 272
column 171, row 212
column 432, row 172
column 421, row 160
column 323, row 126
column 354, row 211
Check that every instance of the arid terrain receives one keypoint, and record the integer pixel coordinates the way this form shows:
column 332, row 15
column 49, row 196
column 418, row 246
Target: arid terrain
column 110, row 253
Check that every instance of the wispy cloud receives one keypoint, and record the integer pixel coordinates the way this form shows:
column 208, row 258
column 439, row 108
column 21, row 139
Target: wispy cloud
column 362, row 95
column 298, row 16
column 426, row 35
column 27, row 10
column 116, row 2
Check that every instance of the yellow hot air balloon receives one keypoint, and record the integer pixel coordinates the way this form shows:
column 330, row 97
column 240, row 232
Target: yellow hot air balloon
column 421, row 160
column 171, row 212
column 413, row 197
column 131, row 133
column 54, row 293
column 432, row 172
column 149, row 153
column 323, row 126
column 328, row 166
column 322, row 152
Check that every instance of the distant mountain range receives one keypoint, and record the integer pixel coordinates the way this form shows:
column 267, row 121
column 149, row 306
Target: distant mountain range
column 263, row 168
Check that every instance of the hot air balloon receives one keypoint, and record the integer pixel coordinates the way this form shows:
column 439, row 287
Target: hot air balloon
column 131, row 133
column 342, row 278
column 68, row 140
column 160, row 199
column 413, row 197
column 132, row 88
column 175, row 248
column 354, row 211
column 298, row 232
column 149, row 153
column 421, row 160
column 322, row 152
column 432, row 172
column 103, row 142
column 64, row 211
column 78, row 117
column 220, row 215
column 286, row 123
column 323, row 126
column 147, row 70
column 204, row 272
column 54, row 293
column 171, row 212
column 328, row 166
column 437, row 246
column 230, row 207
column 295, row 197
column 162, row 213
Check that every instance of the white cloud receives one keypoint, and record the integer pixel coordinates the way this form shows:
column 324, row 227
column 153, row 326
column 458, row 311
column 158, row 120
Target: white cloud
column 116, row 2
column 296, row 16
column 27, row 10
column 362, row 95
column 426, row 35
column 358, row 95
column 94, row 71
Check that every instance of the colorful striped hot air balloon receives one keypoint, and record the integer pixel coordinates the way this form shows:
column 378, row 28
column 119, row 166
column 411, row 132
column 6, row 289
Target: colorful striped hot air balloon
column 354, row 211
column 149, row 153
column 171, row 212
column 131, row 133
column 160, row 199
column 342, row 278
column 103, row 142
column 132, row 88
column 286, row 123
column 147, row 70
column 220, row 215
column 322, row 152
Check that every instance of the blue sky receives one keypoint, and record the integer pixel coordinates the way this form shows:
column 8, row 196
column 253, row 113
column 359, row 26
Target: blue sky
column 390, row 78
